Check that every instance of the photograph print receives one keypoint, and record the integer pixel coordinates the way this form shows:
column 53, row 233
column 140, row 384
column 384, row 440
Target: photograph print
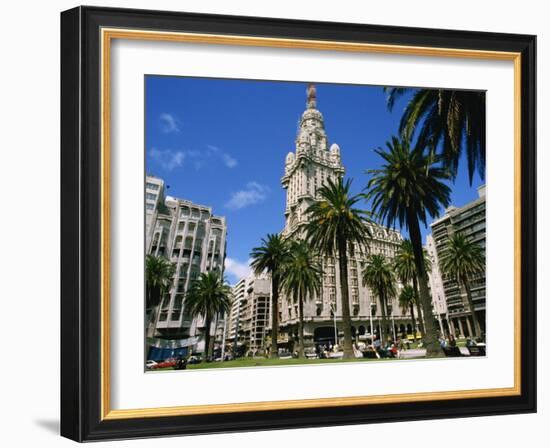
column 291, row 223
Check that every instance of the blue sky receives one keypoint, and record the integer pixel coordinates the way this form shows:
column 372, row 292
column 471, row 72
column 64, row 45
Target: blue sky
column 223, row 143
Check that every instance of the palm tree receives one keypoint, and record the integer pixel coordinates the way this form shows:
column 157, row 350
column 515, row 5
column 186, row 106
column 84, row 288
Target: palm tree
column 208, row 296
column 301, row 278
column 271, row 257
column 453, row 119
column 407, row 189
column 405, row 267
column 378, row 275
column 407, row 299
column 334, row 226
column 463, row 259
column 158, row 278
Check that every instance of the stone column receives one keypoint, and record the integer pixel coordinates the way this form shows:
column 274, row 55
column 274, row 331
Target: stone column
column 461, row 329
column 471, row 333
column 452, row 326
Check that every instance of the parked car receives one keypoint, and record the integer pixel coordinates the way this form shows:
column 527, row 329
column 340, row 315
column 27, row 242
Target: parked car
column 311, row 354
column 194, row 359
column 285, row 355
column 170, row 362
column 150, row 364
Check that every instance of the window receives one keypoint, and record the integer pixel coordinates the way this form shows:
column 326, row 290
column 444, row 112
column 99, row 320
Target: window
column 151, row 196
column 150, row 206
column 151, row 186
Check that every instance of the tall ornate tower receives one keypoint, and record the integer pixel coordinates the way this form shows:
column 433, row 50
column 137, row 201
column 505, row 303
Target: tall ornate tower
column 306, row 170
column 310, row 165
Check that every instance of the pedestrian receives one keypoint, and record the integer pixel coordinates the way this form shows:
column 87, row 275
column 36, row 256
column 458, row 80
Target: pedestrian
column 452, row 341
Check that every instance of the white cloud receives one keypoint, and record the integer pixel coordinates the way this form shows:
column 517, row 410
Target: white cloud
column 252, row 194
column 170, row 159
column 229, row 161
column 169, row 123
column 167, row 158
column 237, row 269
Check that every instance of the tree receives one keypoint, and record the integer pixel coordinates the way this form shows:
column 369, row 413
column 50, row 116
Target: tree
column 335, row 226
column 407, row 189
column 208, row 296
column 407, row 299
column 463, row 259
column 158, row 278
column 302, row 278
column 453, row 120
column 378, row 275
column 271, row 256
column 405, row 267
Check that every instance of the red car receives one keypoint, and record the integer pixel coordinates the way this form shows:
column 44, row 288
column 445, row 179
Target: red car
column 171, row 362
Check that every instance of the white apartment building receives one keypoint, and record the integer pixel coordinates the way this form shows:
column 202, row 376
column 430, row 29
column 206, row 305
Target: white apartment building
column 234, row 322
column 470, row 221
column 437, row 290
column 154, row 195
column 194, row 239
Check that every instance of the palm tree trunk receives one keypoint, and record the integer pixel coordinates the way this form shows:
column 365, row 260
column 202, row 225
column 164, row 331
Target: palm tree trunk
column 413, row 322
column 418, row 309
column 466, row 284
column 433, row 348
column 207, row 323
column 274, row 315
column 152, row 321
column 301, row 327
column 346, row 316
column 154, row 297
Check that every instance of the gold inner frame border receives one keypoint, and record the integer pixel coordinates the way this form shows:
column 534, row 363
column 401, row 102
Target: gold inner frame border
column 107, row 35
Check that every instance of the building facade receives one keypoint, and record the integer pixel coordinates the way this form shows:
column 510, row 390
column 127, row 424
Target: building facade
column 255, row 315
column 194, row 239
column 310, row 166
column 249, row 317
column 470, row 221
column 439, row 300
column 234, row 322
column 154, row 196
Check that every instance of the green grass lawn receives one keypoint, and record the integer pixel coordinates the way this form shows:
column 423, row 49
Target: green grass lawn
column 265, row 362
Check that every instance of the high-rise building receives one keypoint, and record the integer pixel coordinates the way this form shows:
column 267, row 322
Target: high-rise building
column 470, row 221
column 311, row 165
column 249, row 316
column 255, row 315
column 437, row 290
column 154, row 196
column 234, row 321
column 194, row 239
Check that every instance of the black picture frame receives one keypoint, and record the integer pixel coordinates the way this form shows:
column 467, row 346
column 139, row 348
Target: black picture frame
column 81, row 224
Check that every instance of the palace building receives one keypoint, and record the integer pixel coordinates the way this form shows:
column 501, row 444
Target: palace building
column 306, row 169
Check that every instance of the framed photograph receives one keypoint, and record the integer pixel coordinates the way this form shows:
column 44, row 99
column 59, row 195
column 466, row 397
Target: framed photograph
column 276, row 224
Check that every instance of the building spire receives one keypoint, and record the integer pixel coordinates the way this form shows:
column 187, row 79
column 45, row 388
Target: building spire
column 311, row 96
